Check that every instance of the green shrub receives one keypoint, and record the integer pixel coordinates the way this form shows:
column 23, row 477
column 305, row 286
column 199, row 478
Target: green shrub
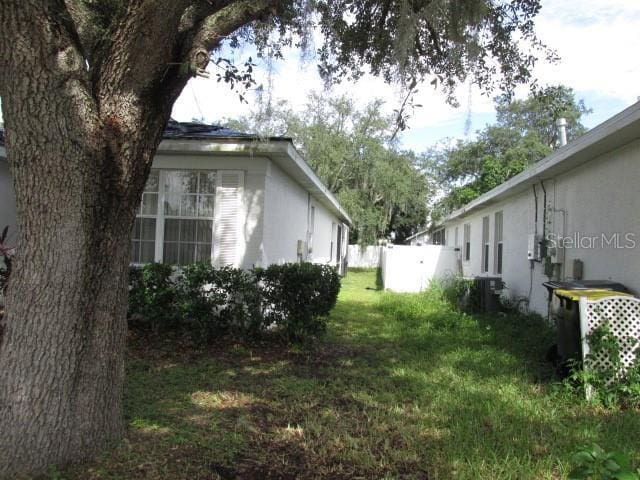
column 217, row 302
column 593, row 463
column 459, row 292
column 208, row 303
column 152, row 298
column 297, row 298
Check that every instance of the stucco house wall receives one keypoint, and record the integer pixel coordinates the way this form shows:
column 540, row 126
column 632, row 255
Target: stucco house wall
column 285, row 216
column 591, row 201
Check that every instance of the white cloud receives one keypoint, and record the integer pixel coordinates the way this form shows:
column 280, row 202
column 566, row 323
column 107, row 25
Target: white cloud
column 596, row 41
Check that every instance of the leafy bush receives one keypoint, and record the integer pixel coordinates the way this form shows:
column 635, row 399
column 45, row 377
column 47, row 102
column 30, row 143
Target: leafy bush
column 593, row 463
column 459, row 292
column 292, row 299
column 298, row 297
column 153, row 298
column 215, row 302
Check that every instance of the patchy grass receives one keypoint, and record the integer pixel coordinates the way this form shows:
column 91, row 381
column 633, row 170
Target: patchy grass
column 403, row 387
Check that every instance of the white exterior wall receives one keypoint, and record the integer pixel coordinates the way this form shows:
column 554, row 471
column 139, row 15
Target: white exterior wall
column 323, row 235
column 7, row 199
column 599, row 197
column 411, row 268
column 273, row 214
column 287, row 217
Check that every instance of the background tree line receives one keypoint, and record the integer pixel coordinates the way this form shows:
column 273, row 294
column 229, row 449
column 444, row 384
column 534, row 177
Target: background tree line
column 524, row 133
column 351, row 149
column 391, row 191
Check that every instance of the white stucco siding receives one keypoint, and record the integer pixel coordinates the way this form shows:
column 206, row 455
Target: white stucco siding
column 602, row 198
column 324, row 234
column 285, row 216
column 598, row 198
column 518, row 221
column 287, row 220
column 7, row 199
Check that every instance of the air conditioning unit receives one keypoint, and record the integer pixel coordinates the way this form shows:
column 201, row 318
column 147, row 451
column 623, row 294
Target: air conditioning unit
column 487, row 291
column 533, row 247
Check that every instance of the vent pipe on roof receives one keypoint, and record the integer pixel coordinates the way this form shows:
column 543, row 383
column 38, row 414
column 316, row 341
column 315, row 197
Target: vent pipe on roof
column 561, row 123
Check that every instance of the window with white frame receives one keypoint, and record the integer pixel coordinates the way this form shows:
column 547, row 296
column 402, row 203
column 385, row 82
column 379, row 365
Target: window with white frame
column 485, row 245
column 334, row 233
column 143, row 238
column 189, row 199
column 175, row 222
column 497, row 263
column 467, row 241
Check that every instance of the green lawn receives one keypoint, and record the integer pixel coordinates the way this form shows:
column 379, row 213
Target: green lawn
column 402, row 388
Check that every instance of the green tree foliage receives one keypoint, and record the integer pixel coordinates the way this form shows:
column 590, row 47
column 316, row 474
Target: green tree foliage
column 380, row 186
column 523, row 134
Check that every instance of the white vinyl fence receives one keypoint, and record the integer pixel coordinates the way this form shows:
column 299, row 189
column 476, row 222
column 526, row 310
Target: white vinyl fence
column 411, row 268
column 364, row 256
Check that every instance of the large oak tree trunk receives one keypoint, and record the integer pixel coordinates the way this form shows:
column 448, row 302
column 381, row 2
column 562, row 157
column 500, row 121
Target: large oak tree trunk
column 78, row 160
column 62, row 355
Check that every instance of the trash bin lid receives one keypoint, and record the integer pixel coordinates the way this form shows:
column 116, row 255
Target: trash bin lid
column 591, row 294
column 586, row 285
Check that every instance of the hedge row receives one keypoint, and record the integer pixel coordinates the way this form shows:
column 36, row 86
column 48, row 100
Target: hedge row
column 292, row 300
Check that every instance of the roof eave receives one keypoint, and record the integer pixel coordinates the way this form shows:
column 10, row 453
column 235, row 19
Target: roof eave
column 280, row 150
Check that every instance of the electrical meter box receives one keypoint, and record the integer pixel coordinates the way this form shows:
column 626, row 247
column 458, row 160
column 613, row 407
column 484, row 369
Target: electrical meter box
column 533, row 247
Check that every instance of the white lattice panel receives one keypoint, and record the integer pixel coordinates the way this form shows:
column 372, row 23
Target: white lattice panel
column 623, row 317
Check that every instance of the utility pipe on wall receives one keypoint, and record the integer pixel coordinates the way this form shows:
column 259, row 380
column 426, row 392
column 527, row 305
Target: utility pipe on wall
column 561, row 123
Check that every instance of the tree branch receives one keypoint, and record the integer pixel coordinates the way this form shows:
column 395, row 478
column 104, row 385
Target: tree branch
column 223, row 22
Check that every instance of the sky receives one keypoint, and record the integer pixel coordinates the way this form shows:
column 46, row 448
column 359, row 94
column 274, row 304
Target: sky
column 596, row 40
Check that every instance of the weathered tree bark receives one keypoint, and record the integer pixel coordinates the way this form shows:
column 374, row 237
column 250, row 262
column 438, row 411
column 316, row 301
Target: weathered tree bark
column 80, row 140
column 62, row 362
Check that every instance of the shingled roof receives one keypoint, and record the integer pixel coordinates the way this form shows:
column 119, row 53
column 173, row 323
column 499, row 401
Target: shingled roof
column 203, row 131
column 199, row 131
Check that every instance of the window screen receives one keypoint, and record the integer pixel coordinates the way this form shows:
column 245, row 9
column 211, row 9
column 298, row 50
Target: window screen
column 485, row 244
column 497, row 264
column 189, row 199
column 467, row 242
